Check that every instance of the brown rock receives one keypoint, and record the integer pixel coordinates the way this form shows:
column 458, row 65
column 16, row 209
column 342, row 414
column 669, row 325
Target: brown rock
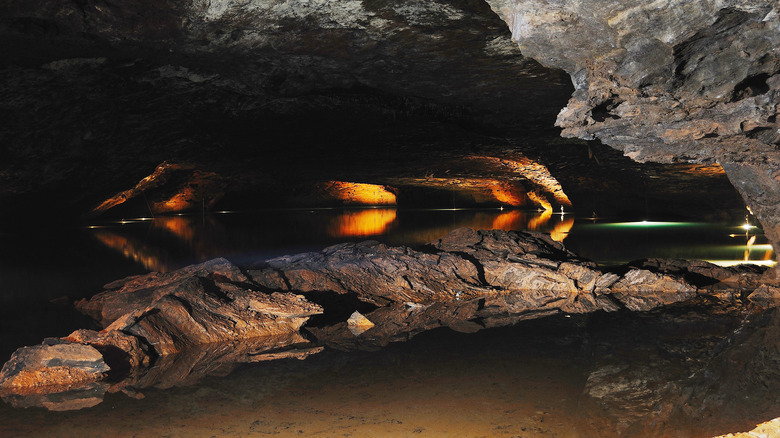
column 374, row 272
column 765, row 296
column 766, row 429
column 538, row 273
column 119, row 349
column 642, row 290
column 203, row 312
column 128, row 294
column 51, row 367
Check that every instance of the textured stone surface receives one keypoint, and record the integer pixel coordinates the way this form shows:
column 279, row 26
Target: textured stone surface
column 200, row 312
column 668, row 81
column 54, row 364
column 765, row 296
column 120, row 350
column 766, row 429
column 128, row 294
column 536, row 272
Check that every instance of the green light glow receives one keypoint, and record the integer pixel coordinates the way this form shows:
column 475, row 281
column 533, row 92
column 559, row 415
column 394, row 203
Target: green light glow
column 727, row 263
column 648, row 224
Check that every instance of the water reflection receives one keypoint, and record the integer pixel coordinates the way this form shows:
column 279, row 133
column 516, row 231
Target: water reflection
column 702, row 370
column 715, row 243
column 169, row 242
column 362, row 223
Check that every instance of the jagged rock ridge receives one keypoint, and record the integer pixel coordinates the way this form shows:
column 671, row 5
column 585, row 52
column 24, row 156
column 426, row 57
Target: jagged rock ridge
column 468, row 280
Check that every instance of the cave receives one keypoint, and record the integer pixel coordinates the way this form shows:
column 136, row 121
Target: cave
column 389, row 218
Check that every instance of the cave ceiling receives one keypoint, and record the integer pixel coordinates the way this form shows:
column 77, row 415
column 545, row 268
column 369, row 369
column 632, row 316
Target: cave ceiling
column 96, row 95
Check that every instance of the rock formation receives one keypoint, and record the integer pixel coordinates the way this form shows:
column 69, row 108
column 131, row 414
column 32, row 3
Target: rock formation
column 205, row 103
column 668, row 82
column 467, row 280
column 53, row 364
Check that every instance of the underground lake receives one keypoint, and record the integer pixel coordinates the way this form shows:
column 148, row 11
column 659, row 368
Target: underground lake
column 601, row 374
column 463, row 218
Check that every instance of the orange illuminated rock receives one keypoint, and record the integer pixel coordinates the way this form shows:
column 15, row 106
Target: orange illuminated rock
column 171, row 188
column 507, row 193
column 540, row 200
column 766, row 429
column 536, row 173
column 359, row 193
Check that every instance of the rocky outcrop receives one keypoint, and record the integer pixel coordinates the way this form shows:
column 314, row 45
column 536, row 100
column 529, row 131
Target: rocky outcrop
column 52, row 366
column 200, row 82
column 161, row 314
column 199, row 304
column 531, row 268
column 668, row 82
column 179, row 326
column 128, row 294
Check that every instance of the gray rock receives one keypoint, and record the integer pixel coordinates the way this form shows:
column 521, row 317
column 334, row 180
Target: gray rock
column 669, row 82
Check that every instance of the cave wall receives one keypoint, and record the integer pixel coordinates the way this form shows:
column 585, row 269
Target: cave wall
column 668, row 81
column 97, row 94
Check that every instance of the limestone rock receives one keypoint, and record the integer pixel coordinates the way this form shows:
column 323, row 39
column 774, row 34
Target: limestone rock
column 120, row 350
column 128, row 294
column 765, row 296
column 529, row 269
column 201, row 313
column 669, row 81
column 200, row 304
column 641, row 290
column 53, row 364
column 358, row 323
column 766, row 429
column 374, row 272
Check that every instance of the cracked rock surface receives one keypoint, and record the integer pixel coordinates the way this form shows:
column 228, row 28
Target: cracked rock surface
column 669, row 81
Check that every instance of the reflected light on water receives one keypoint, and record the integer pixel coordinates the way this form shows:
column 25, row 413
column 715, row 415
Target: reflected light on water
column 147, row 256
column 561, row 230
column 170, row 242
column 179, row 226
column 727, row 263
column 647, row 224
column 511, row 220
column 537, row 222
column 362, row 223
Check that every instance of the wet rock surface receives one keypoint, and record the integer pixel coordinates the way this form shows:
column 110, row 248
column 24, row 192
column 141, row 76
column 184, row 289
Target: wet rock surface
column 531, row 268
column 127, row 295
column 53, row 365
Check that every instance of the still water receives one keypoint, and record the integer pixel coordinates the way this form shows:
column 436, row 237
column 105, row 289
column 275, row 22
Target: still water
column 525, row 380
